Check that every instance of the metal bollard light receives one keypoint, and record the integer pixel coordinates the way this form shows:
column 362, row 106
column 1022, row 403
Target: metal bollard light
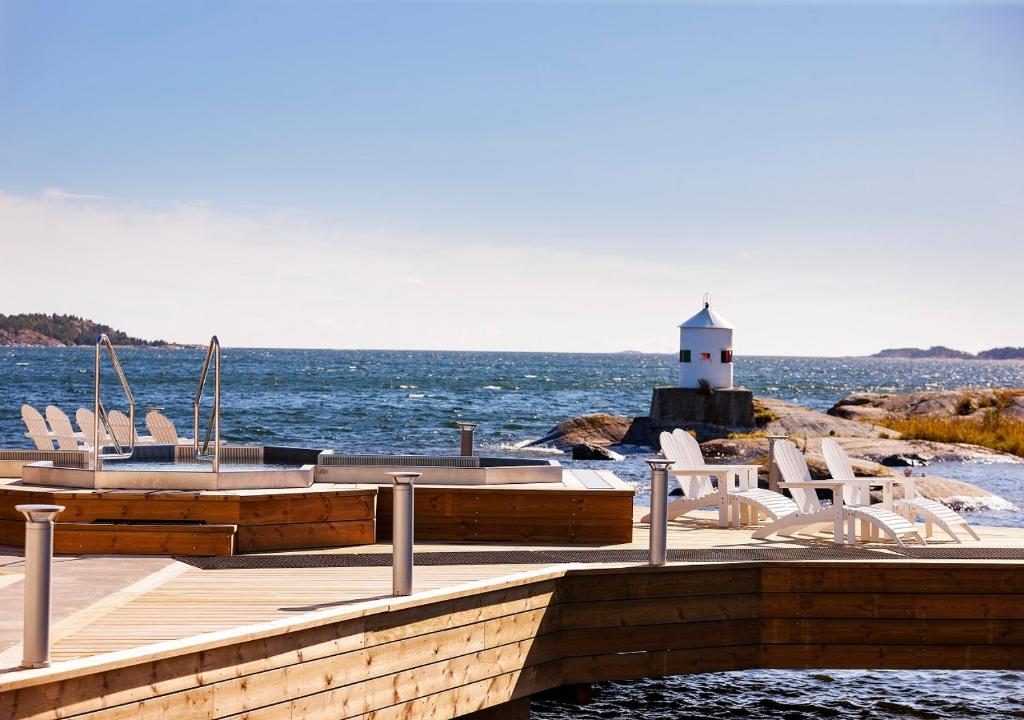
column 774, row 476
column 38, row 566
column 466, row 438
column 659, row 510
column 402, row 532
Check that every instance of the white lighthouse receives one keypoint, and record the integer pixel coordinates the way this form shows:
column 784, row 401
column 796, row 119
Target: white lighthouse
column 705, row 350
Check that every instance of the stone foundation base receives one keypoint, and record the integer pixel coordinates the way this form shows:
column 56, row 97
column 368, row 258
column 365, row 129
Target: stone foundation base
column 676, row 406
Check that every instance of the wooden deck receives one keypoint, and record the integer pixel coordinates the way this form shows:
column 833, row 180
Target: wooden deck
column 330, row 642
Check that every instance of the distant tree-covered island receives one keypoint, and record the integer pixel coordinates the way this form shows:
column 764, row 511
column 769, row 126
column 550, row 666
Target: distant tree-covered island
column 41, row 330
column 940, row 352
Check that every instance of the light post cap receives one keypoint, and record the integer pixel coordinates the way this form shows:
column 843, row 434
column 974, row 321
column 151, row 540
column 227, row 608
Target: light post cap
column 39, row 513
column 467, row 425
column 404, row 478
column 660, row 464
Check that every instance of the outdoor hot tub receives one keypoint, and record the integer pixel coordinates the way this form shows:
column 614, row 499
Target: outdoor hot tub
column 437, row 469
column 169, row 467
column 242, row 467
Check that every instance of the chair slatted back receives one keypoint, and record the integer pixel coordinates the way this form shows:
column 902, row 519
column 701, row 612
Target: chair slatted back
column 681, row 448
column 38, row 432
column 794, row 469
column 63, row 432
column 840, row 468
column 122, row 428
column 161, row 428
column 85, row 419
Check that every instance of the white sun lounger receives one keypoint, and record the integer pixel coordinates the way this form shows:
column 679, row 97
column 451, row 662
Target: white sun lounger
column 124, row 431
column 85, row 419
column 912, row 505
column 812, row 515
column 63, row 432
column 698, row 492
column 38, row 432
column 162, row 429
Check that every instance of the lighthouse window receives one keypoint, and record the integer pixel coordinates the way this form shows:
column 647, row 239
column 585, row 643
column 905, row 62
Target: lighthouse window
column 684, row 356
column 705, row 357
column 727, row 356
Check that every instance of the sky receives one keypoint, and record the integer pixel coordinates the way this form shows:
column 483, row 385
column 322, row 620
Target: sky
column 569, row 176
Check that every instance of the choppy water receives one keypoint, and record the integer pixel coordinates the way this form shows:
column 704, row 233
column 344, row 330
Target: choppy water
column 398, row 401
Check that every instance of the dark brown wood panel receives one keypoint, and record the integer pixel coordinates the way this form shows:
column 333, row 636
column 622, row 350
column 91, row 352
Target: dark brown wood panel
column 499, row 514
column 642, row 583
column 306, row 509
column 880, row 657
column 943, row 577
column 157, row 507
column 256, row 538
column 897, row 604
column 87, row 538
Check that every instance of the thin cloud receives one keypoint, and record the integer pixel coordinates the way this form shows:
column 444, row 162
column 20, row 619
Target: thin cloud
column 59, row 194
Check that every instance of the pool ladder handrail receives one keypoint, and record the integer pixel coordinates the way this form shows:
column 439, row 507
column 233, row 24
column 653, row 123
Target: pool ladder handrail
column 100, row 413
column 213, row 426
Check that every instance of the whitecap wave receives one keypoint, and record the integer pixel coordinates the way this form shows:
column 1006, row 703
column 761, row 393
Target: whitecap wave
column 491, row 387
column 521, row 447
column 969, row 503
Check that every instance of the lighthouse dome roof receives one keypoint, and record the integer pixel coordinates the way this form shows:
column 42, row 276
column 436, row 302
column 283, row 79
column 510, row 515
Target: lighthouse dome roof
column 709, row 319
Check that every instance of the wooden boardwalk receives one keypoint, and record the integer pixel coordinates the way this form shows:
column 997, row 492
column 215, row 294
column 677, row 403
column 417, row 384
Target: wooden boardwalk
column 330, row 642
column 180, row 600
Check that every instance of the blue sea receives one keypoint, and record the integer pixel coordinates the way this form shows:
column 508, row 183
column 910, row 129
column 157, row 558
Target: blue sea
column 369, row 401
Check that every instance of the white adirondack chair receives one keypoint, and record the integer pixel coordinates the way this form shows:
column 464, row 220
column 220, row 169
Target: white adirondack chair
column 161, row 428
column 121, row 426
column 912, row 505
column 812, row 515
column 63, row 432
column 698, row 492
column 86, row 419
column 38, row 432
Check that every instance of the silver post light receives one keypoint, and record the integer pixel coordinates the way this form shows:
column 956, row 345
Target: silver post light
column 38, row 565
column 659, row 510
column 402, row 532
column 466, row 438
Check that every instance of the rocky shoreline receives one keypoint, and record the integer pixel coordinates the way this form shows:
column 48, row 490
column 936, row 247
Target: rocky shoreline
column 874, row 449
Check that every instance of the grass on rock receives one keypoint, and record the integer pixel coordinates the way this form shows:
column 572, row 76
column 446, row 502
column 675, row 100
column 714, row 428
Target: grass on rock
column 995, row 430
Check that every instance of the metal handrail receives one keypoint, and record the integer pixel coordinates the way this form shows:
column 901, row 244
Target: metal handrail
column 212, row 352
column 100, row 412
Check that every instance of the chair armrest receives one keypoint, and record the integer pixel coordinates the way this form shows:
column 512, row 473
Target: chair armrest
column 834, row 485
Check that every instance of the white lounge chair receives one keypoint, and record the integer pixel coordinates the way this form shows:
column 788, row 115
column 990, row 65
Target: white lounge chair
column 86, row 419
column 162, row 429
column 912, row 505
column 38, row 432
column 813, row 515
column 124, row 431
column 63, row 432
column 698, row 492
